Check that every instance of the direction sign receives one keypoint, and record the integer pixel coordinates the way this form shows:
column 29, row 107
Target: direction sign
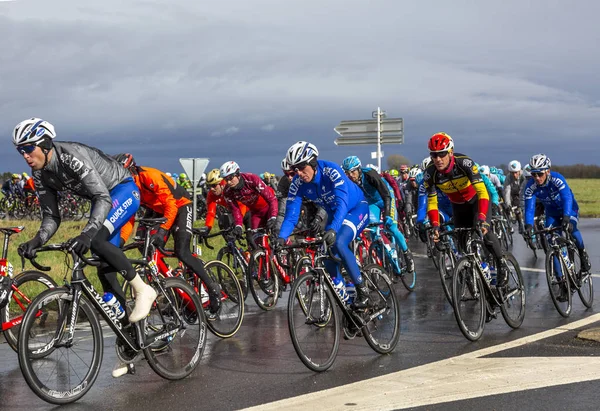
column 194, row 167
column 353, row 132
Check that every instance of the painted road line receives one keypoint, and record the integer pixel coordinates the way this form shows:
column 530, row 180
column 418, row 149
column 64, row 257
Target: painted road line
column 454, row 379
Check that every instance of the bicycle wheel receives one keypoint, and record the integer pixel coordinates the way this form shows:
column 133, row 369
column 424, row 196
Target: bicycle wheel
column 447, row 263
column 553, row 258
column 316, row 338
column 263, row 281
column 226, row 255
column 230, row 315
column 178, row 320
column 583, row 281
column 27, row 285
column 469, row 299
column 513, row 300
column 383, row 331
column 408, row 279
column 72, row 365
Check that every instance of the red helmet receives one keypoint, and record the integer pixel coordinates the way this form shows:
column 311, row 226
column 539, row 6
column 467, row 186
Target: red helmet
column 403, row 167
column 440, row 142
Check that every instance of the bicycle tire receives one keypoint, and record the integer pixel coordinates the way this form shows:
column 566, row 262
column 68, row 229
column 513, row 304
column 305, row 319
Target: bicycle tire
column 264, row 287
column 187, row 305
column 468, row 286
column 56, row 301
column 383, row 332
column 231, row 313
column 233, row 262
column 321, row 330
column 408, row 279
column 563, row 307
column 447, row 264
column 583, row 281
column 516, row 295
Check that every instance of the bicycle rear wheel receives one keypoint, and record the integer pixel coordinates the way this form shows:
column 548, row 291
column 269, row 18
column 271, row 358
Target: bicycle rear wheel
column 28, row 285
column 469, row 299
column 583, row 281
column 178, row 319
column 555, row 284
column 230, row 315
column 513, row 306
column 314, row 323
column 71, row 367
column 227, row 256
column 263, row 280
column 383, row 331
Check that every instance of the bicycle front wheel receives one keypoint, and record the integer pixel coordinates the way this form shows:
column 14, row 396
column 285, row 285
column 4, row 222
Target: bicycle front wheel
column 513, row 300
column 230, row 315
column 27, row 285
column 263, row 280
column 383, row 331
column 314, row 323
column 69, row 370
column 239, row 269
column 560, row 290
column 469, row 299
column 178, row 319
column 584, row 281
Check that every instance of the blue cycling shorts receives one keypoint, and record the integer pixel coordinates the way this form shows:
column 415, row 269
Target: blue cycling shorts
column 125, row 203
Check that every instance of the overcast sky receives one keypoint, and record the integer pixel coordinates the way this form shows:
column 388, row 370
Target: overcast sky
column 244, row 79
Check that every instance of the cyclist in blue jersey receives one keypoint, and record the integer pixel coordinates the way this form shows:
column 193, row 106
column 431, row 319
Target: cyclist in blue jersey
column 325, row 183
column 381, row 199
column 558, row 200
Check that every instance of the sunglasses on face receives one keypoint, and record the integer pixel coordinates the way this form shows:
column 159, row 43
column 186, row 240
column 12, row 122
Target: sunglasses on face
column 537, row 175
column 300, row 167
column 211, row 186
column 289, row 173
column 229, row 177
column 28, row 149
column 404, row 172
column 440, row 155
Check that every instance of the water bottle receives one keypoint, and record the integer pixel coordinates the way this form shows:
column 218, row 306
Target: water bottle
column 203, row 294
column 565, row 254
column 494, row 274
column 486, row 272
column 351, row 291
column 114, row 304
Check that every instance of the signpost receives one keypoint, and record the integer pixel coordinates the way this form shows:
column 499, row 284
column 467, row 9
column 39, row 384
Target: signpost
column 194, row 168
column 380, row 130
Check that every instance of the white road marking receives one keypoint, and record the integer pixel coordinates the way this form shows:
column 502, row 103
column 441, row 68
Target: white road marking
column 453, row 379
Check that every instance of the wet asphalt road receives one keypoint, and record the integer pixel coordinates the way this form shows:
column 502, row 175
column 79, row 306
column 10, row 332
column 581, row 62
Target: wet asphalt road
column 259, row 364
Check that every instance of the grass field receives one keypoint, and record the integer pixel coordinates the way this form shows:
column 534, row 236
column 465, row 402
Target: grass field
column 587, row 194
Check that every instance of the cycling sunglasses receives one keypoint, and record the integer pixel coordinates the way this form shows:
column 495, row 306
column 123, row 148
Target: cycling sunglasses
column 300, row 167
column 289, row 173
column 213, row 185
column 441, row 154
column 537, row 175
column 26, row 149
column 229, row 177
column 404, row 172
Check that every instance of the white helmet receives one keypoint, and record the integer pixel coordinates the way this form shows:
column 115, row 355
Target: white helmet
column 202, row 179
column 301, row 152
column 414, row 172
column 527, row 171
column 484, row 170
column 539, row 162
column 514, row 166
column 425, row 163
column 229, row 168
column 285, row 166
column 32, row 131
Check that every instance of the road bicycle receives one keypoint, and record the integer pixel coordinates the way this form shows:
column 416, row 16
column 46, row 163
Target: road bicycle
column 314, row 312
column 563, row 271
column 447, row 256
column 475, row 298
column 264, row 272
column 236, row 258
column 70, row 343
column 25, row 286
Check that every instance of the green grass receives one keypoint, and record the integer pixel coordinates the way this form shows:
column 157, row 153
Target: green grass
column 586, row 193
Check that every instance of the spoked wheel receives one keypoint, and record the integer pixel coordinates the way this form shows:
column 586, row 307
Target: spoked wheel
column 560, row 290
column 178, row 320
column 513, row 295
column 447, row 264
column 263, row 280
column 469, row 299
column 231, row 313
column 408, row 279
column 236, row 266
column 60, row 370
column 383, row 331
column 584, row 282
column 314, row 323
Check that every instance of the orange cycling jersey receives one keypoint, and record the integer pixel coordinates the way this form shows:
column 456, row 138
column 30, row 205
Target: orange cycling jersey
column 29, row 185
column 212, row 200
column 159, row 193
column 461, row 182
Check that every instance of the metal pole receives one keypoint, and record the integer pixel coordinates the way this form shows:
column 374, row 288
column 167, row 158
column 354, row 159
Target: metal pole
column 379, row 138
column 194, row 184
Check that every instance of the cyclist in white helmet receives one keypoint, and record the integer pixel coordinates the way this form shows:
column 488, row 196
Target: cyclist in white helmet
column 513, row 186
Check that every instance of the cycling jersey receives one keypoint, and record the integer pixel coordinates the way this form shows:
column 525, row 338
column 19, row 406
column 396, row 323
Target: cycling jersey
column 377, row 191
column 29, row 185
column 461, row 182
column 87, row 172
column 212, row 200
column 411, row 195
column 491, row 189
column 253, row 193
column 309, row 209
column 555, row 194
column 512, row 190
column 444, row 205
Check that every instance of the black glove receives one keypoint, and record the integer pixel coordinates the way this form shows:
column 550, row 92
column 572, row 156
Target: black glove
column 204, row 231
column 271, row 224
column 278, row 243
column 329, row 237
column 158, row 239
column 28, row 248
column 237, row 231
column 566, row 224
column 80, row 244
column 315, row 225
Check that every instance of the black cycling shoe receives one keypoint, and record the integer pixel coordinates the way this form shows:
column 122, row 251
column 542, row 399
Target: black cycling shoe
column 564, row 295
column 362, row 297
column 214, row 295
column 585, row 260
column 410, row 263
column 502, row 276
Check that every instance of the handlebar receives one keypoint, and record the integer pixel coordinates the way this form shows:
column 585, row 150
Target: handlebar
column 60, row 247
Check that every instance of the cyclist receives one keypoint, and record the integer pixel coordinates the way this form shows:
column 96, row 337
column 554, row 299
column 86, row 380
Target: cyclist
column 444, row 204
column 403, row 174
column 93, row 175
column 162, row 197
column 250, row 190
column 411, row 193
column 325, row 183
column 512, row 191
column 184, row 182
column 12, row 187
column 484, row 171
column 458, row 177
column 560, row 205
column 381, row 199
column 493, row 178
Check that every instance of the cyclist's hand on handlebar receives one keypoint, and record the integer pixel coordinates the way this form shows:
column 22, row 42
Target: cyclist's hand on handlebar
column 80, row 244
column 158, row 239
column 483, row 226
column 204, row 231
column 28, row 248
column 566, row 224
column 271, row 224
column 329, row 237
column 238, row 231
column 435, row 233
column 278, row 243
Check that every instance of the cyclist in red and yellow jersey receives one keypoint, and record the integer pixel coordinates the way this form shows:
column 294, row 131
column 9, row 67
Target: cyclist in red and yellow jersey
column 458, row 177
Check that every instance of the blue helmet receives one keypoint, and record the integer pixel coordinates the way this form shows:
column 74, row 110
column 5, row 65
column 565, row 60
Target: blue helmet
column 351, row 163
column 493, row 170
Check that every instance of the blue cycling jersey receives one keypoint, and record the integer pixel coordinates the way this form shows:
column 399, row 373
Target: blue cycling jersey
column 444, row 204
column 555, row 195
column 330, row 189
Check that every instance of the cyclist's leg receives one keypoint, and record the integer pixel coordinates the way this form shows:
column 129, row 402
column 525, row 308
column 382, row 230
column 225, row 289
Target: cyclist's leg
column 583, row 255
column 492, row 243
column 182, row 234
column 248, row 225
column 410, row 264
